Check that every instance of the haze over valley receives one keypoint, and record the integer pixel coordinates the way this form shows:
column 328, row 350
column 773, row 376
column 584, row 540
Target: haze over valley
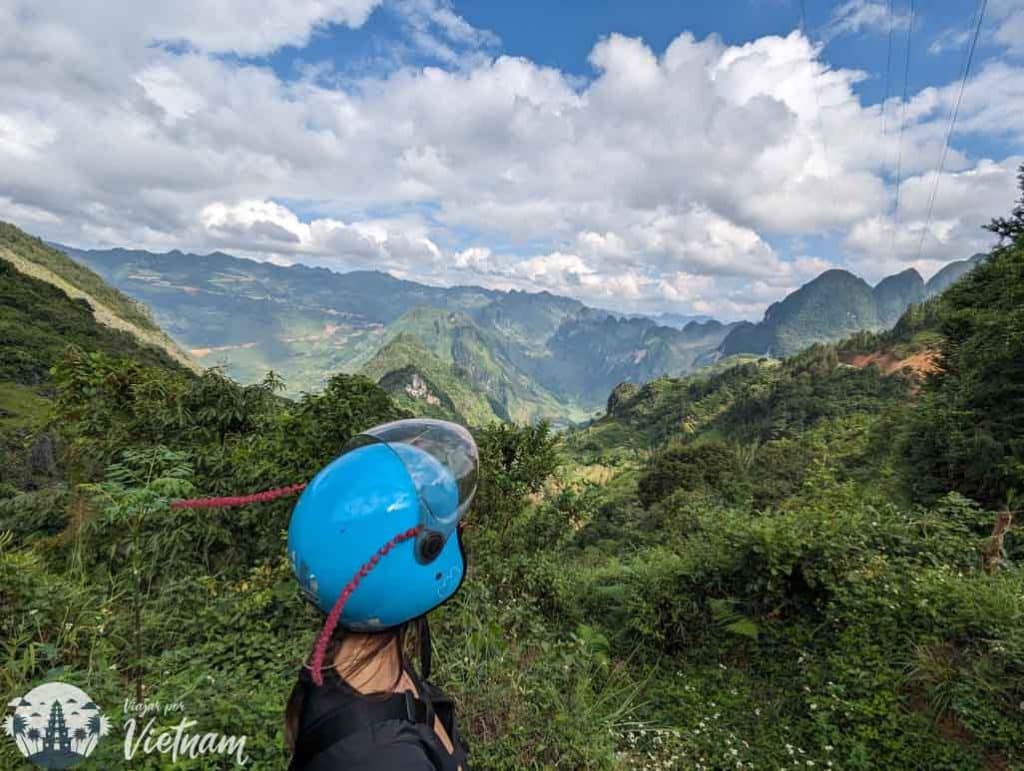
column 475, row 353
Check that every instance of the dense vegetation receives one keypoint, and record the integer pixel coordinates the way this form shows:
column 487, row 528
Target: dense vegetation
column 767, row 565
column 32, row 249
column 968, row 432
column 37, row 323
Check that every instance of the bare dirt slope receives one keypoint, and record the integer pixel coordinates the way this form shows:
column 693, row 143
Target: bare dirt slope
column 103, row 314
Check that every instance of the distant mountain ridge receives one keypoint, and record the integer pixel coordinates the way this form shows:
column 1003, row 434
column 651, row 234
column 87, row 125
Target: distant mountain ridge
column 835, row 305
column 465, row 351
column 665, row 318
column 522, row 355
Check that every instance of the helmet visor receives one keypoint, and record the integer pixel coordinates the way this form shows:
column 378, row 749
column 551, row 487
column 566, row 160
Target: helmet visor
column 447, row 483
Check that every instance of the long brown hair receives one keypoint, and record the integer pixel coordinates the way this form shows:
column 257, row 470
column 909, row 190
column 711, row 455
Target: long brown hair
column 379, row 642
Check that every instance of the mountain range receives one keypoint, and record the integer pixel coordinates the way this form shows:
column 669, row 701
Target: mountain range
column 466, row 352
column 492, row 354
column 835, row 305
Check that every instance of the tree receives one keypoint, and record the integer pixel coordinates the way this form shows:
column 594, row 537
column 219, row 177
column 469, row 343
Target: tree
column 35, row 737
column 137, row 493
column 967, row 434
column 14, row 726
column 1011, row 228
column 516, row 461
column 97, row 726
column 713, row 468
column 326, row 421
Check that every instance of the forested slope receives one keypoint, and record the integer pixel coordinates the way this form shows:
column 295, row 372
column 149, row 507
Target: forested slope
column 38, row 322
column 770, row 565
column 109, row 308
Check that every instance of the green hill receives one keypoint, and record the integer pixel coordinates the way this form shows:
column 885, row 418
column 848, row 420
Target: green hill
column 527, row 318
column 832, row 306
column 836, row 305
column 18, row 245
column 476, row 359
column 38, row 323
column 952, row 273
column 592, row 353
column 110, row 308
column 421, row 382
column 893, row 295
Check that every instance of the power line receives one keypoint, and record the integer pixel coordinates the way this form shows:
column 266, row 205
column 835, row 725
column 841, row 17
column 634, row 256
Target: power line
column 817, row 101
column 888, row 68
column 982, row 5
column 884, row 145
column 903, row 124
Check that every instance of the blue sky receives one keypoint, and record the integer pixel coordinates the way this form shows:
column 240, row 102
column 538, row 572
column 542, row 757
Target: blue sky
column 648, row 156
column 562, row 34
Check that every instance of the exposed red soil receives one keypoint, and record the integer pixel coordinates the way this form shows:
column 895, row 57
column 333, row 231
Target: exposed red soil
column 919, row 364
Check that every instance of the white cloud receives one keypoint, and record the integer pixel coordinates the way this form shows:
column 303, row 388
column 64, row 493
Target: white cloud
column 248, row 27
column 169, row 91
column 24, row 136
column 661, row 182
column 965, row 201
column 855, row 16
column 266, row 228
column 28, row 215
column 1009, row 25
column 1003, row 26
column 437, row 31
column 952, row 39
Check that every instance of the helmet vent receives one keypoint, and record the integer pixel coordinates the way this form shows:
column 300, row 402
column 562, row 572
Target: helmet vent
column 430, row 546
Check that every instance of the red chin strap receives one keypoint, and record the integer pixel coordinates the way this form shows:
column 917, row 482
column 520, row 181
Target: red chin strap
column 239, row 500
column 316, row 664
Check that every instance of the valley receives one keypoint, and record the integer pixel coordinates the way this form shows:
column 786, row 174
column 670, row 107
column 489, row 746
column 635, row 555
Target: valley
column 476, row 354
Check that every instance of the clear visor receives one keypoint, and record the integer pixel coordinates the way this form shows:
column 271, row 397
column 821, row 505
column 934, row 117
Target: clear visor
column 457, row 462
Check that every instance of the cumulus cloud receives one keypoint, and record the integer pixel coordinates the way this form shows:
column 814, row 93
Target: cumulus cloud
column 660, row 182
column 248, row 27
column 266, row 228
column 965, row 201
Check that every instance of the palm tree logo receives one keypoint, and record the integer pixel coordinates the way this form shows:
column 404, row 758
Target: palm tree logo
column 55, row 725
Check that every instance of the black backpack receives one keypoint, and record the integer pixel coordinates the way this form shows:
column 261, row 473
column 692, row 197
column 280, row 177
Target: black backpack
column 355, row 712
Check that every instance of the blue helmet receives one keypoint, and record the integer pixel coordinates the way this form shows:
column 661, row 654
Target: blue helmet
column 392, row 479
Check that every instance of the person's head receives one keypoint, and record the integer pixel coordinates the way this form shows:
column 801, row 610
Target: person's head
column 384, row 517
column 375, row 539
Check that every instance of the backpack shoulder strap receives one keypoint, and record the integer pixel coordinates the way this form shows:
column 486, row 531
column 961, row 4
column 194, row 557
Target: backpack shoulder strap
column 345, row 721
